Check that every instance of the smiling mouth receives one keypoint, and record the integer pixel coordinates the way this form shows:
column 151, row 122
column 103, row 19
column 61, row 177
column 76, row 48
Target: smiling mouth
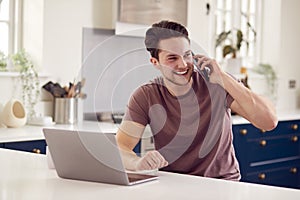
column 181, row 72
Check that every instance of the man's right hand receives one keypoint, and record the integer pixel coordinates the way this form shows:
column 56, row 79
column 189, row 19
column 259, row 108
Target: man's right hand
column 151, row 160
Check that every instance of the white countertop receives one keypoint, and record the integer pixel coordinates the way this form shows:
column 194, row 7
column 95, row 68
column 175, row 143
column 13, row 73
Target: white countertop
column 282, row 116
column 28, row 132
column 25, row 176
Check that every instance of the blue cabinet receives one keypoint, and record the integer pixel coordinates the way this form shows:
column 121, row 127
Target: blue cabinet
column 35, row 146
column 271, row 157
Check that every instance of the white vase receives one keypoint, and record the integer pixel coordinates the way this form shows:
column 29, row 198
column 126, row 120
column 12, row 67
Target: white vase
column 234, row 66
column 13, row 114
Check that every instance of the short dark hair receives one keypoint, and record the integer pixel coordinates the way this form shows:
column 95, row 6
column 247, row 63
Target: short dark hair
column 163, row 30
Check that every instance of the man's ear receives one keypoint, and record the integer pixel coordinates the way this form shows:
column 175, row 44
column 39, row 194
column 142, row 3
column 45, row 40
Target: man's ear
column 154, row 61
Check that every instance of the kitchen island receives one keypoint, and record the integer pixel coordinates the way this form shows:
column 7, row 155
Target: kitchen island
column 271, row 158
column 26, row 176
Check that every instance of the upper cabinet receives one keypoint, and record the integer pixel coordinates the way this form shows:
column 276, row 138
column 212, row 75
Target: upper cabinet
column 135, row 16
column 150, row 11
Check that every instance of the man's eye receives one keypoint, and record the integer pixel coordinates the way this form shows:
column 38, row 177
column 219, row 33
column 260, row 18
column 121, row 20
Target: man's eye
column 172, row 58
column 188, row 55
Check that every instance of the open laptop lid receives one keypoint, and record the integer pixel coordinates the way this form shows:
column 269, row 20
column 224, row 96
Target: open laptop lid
column 88, row 156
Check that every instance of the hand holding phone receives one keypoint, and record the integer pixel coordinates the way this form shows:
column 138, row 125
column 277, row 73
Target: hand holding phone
column 205, row 72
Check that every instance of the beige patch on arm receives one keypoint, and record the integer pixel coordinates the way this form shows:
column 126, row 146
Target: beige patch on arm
column 132, row 129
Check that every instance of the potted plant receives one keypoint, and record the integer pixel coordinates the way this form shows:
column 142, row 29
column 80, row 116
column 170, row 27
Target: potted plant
column 3, row 62
column 270, row 76
column 232, row 42
column 29, row 81
column 235, row 38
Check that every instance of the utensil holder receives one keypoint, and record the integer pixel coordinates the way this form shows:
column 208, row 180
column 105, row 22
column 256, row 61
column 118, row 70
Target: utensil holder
column 65, row 110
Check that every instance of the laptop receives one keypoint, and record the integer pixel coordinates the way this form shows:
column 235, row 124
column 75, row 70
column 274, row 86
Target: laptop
column 89, row 156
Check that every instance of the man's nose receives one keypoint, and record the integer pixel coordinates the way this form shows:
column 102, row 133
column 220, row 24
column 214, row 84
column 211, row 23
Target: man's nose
column 182, row 62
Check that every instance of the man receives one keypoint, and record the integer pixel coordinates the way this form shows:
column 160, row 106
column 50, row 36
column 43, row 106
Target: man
column 189, row 116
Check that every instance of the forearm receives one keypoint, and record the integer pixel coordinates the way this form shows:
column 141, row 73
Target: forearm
column 256, row 109
column 151, row 160
column 130, row 159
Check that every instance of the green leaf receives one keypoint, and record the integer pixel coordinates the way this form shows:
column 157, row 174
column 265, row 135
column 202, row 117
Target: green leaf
column 228, row 49
column 239, row 36
column 222, row 37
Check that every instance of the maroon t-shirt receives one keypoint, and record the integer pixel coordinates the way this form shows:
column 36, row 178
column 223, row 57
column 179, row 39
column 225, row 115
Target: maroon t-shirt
column 193, row 131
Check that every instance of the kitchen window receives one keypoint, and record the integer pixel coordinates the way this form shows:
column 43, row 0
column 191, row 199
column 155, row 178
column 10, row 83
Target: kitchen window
column 243, row 15
column 10, row 25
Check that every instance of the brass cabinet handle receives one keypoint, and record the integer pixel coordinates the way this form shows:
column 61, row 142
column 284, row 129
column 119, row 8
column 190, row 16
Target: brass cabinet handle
column 263, row 143
column 262, row 176
column 243, row 131
column 294, row 127
column 294, row 138
column 38, row 151
column 262, row 131
column 293, row 170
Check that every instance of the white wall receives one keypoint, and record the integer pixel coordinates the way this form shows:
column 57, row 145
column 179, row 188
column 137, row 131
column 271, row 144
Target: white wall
column 33, row 21
column 60, row 32
column 280, row 47
column 199, row 24
column 289, row 67
column 271, row 31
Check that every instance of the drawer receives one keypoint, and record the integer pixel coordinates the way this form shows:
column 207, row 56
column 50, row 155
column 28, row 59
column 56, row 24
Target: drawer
column 273, row 148
column 37, row 146
column 246, row 131
column 287, row 127
column 285, row 176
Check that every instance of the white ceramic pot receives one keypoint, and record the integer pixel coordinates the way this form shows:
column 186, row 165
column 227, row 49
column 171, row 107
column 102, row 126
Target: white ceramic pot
column 13, row 114
column 234, row 66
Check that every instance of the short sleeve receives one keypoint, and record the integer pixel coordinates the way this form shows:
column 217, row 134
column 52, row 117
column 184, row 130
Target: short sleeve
column 229, row 100
column 137, row 108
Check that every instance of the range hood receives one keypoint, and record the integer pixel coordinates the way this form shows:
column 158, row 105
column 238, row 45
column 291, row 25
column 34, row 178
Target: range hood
column 135, row 16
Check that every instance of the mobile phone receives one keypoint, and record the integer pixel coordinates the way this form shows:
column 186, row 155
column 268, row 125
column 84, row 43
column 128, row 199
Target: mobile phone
column 205, row 72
